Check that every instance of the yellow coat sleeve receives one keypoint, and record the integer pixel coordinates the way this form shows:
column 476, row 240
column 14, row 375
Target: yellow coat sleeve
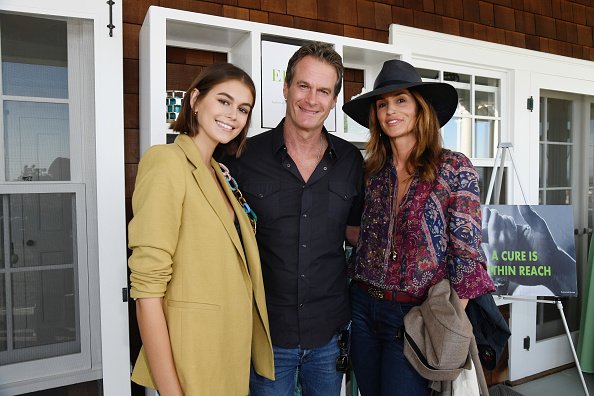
column 153, row 232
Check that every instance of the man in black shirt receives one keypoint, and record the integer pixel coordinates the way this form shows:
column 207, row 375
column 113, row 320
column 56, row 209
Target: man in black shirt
column 305, row 186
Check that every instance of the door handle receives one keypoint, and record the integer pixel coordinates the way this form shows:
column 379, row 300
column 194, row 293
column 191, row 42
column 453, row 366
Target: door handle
column 14, row 258
column 30, row 242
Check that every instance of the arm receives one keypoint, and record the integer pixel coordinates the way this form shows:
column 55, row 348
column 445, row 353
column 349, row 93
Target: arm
column 466, row 264
column 152, row 236
column 353, row 223
column 155, row 339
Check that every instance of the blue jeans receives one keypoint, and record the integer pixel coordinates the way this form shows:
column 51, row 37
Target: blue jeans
column 376, row 350
column 315, row 369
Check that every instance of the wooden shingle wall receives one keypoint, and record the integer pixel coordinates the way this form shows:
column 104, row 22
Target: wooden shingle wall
column 560, row 27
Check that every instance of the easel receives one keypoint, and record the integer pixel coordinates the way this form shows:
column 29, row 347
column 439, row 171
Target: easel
column 495, row 183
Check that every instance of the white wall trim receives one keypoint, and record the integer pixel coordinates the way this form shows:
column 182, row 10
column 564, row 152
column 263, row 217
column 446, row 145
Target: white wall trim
column 113, row 364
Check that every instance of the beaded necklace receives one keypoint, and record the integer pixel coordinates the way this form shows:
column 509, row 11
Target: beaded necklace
column 237, row 192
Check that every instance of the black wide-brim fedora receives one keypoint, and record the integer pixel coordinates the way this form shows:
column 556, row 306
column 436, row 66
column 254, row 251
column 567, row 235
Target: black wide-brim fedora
column 396, row 75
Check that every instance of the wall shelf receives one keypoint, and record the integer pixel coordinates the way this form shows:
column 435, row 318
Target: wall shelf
column 241, row 41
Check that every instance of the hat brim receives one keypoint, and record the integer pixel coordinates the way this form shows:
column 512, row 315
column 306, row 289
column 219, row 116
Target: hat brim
column 441, row 96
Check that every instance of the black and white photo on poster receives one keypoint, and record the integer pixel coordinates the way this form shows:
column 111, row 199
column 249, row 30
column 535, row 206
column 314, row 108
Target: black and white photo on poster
column 530, row 249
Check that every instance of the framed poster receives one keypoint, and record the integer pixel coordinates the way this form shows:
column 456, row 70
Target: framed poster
column 275, row 57
column 530, row 250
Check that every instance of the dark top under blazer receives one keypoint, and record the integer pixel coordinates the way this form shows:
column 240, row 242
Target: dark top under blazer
column 301, row 232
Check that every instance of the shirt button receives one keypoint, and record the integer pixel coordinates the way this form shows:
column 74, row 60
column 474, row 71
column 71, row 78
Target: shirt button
column 305, row 215
column 260, row 195
column 304, row 245
column 288, row 165
column 325, row 168
column 300, row 305
column 302, row 276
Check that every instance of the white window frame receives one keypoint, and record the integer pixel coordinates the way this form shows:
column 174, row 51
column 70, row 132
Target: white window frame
column 101, row 157
column 473, row 73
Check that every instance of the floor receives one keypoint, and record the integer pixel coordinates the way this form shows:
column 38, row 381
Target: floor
column 566, row 383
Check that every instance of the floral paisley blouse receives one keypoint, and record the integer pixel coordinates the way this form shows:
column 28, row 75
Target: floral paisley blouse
column 437, row 232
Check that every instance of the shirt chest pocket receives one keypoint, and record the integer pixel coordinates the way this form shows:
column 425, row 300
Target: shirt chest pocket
column 340, row 200
column 263, row 198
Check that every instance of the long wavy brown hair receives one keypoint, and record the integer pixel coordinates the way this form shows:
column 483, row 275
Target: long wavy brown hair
column 424, row 155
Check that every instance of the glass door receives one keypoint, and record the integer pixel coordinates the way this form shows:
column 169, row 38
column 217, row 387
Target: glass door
column 564, row 138
column 559, row 185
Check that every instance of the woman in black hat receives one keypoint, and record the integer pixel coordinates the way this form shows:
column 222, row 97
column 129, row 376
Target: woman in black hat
column 421, row 223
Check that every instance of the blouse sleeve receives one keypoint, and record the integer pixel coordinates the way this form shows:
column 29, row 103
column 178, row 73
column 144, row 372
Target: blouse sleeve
column 153, row 231
column 466, row 265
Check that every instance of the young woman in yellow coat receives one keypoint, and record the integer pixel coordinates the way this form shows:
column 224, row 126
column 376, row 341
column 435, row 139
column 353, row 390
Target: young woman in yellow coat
column 195, row 268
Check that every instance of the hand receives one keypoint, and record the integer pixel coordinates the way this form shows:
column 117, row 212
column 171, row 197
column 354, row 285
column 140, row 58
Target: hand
column 503, row 234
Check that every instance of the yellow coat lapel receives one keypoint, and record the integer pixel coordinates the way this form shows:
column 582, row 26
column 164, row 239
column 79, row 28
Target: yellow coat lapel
column 210, row 190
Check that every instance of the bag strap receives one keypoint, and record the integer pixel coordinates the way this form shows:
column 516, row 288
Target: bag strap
column 237, row 192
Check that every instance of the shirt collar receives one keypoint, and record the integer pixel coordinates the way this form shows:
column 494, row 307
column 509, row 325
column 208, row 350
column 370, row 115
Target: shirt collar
column 278, row 141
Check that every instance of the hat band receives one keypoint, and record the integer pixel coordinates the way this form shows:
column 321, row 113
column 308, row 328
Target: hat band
column 394, row 82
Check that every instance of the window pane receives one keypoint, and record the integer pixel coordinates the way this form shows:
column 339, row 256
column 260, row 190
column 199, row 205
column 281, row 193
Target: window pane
column 485, row 174
column 559, row 197
column 541, row 166
column 456, row 77
column 558, row 165
column 42, row 230
column 3, row 329
column 486, row 132
column 428, row 74
column 463, row 102
column 486, row 104
column 42, row 279
column 450, row 134
column 541, row 125
column 34, row 56
column 37, row 142
column 457, row 135
column 43, row 308
column 559, row 120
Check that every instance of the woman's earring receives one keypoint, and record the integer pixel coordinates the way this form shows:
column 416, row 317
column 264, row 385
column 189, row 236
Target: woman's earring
column 195, row 113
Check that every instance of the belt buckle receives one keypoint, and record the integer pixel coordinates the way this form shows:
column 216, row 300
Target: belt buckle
column 376, row 292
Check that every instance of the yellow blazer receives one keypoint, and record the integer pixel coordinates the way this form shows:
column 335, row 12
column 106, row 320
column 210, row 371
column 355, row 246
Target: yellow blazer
column 186, row 249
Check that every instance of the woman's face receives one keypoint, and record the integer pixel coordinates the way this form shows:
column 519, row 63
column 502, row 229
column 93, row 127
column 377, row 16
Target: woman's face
column 396, row 113
column 223, row 112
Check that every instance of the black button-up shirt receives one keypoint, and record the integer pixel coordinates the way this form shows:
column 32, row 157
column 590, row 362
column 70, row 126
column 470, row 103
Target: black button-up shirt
column 301, row 233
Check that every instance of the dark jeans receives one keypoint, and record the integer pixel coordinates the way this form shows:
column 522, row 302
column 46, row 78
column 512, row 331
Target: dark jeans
column 315, row 369
column 377, row 353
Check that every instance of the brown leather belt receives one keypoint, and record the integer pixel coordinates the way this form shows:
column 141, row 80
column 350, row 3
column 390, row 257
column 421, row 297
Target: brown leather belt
column 388, row 295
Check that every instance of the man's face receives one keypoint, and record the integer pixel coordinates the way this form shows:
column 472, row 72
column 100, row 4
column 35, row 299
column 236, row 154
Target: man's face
column 310, row 97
